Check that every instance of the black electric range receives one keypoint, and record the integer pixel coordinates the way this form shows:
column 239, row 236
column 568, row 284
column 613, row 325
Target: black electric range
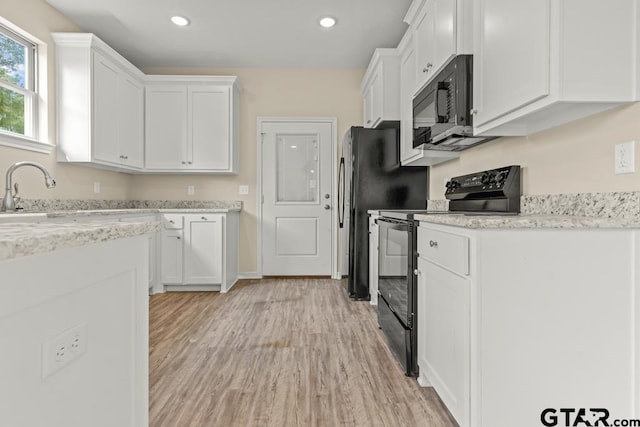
column 490, row 192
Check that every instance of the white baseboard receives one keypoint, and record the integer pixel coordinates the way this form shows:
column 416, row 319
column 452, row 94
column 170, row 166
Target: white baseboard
column 423, row 381
column 249, row 275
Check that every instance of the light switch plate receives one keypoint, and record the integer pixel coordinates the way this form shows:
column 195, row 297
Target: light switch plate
column 244, row 190
column 191, row 190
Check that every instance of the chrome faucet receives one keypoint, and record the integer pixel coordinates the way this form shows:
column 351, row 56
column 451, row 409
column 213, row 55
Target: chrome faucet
column 8, row 203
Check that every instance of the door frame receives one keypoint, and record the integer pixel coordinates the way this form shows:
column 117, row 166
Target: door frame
column 333, row 121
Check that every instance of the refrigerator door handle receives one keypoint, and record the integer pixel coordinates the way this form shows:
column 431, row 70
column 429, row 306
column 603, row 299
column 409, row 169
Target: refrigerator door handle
column 341, row 189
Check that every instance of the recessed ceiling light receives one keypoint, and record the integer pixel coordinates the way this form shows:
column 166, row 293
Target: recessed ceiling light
column 180, row 21
column 327, row 22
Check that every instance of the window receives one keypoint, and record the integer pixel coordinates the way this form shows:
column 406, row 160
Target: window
column 18, row 97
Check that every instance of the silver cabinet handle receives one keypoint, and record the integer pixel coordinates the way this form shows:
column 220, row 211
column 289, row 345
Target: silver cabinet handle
column 171, row 221
column 184, row 163
column 178, row 237
column 427, row 68
column 416, row 272
column 326, row 196
column 327, row 207
column 204, row 218
column 433, row 243
column 474, row 112
column 190, row 163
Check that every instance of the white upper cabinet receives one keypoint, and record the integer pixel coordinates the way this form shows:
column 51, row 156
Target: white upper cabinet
column 100, row 104
column 441, row 30
column 113, row 116
column 191, row 124
column 166, row 127
column 381, row 88
column 539, row 64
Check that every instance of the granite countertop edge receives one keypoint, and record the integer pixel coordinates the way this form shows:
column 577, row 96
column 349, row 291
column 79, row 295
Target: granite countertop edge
column 529, row 221
column 24, row 239
column 142, row 211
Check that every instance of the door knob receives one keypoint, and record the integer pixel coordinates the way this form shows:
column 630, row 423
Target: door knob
column 327, row 207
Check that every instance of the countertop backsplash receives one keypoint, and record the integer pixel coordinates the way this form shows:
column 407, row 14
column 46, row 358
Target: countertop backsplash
column 48, row 205
column 607, row 205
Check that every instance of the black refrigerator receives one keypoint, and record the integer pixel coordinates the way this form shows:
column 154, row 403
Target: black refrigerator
column 371, row 178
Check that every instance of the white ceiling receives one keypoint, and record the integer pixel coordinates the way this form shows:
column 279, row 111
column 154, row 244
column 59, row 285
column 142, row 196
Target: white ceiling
column 242, row 33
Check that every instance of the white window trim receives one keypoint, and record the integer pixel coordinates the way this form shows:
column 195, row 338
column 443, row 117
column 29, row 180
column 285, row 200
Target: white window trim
column 39, row 142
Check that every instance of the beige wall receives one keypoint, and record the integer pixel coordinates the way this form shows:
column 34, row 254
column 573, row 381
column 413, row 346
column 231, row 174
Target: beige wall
column 575, row 158
column 266, row 92
column 74, row 182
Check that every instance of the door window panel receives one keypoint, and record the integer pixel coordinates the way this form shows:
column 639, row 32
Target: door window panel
column 297, row 169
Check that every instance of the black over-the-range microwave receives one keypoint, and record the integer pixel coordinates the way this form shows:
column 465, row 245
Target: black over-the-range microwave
column 442, row 118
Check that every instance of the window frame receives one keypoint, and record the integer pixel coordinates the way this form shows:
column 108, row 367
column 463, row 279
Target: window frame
column 34, row 92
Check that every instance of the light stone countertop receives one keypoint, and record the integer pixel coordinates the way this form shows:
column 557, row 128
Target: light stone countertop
column 18, row 239
column 109, row 212
column 24, row 237
column 528, row 221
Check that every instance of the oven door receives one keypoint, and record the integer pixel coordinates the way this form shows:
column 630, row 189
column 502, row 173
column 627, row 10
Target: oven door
column 394, row 273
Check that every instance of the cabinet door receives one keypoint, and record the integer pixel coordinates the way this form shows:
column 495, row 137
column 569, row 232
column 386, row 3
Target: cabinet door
column 203, row 249
column 444, row 32
column 171, row 256
column 407, row 89
column 377, row 96
column 425, row 43
column 130, row 121
column 166, row 127
column 105, row 110
column 368, row 106
column 511, row 56
column 444, row 336
column 209, row 128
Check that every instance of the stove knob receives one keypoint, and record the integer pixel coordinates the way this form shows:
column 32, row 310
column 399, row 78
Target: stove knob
column 500, row 176
column 486, row 178
column 452, row 185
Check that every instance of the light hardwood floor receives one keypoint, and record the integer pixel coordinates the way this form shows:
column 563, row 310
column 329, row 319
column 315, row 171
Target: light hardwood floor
column 278, row 352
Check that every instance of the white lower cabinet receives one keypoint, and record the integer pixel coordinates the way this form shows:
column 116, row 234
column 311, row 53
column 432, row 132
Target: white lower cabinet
column 443, row 328
column 516, row 322
column 171, row 257
column 203, row 249
column 199, row 251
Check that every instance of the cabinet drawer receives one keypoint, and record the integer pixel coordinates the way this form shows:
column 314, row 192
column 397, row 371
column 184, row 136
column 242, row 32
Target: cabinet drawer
column 448, row 250
column 172, row 221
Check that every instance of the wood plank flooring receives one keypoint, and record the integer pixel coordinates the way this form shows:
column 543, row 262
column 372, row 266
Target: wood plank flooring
column 278, row 352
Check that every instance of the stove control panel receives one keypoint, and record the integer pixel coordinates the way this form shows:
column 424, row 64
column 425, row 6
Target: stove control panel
column 484, row 181
column 486, row 188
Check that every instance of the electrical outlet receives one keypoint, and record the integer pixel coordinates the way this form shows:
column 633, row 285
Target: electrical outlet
column 191, row 190
column 62, row 349
column 625, row 161
column 244, row 190
column 96, row 187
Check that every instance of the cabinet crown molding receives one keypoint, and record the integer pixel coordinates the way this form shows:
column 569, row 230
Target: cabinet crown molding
column 380, row 54
column 90, row 40
column 415, row 6
column 159, row 79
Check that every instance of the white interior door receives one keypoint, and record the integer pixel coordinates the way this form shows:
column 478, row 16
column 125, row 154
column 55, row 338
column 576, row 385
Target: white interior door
column 297, row 198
